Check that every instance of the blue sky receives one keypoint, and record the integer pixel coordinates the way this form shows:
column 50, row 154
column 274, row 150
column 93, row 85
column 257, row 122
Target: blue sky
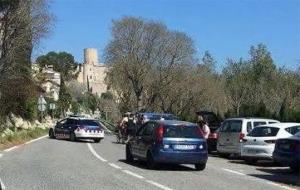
column 226, row 28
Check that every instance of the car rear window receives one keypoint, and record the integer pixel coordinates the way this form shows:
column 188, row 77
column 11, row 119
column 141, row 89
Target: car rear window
column 264, row 132
column 182, row 131
column 89, row 123
column 234, row 126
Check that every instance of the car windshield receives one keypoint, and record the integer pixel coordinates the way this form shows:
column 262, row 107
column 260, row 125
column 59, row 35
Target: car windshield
column 175, row 131
column 264, row 132
column 89, row 123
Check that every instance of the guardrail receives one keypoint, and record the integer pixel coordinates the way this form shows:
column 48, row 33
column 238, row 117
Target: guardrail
column 110, row 127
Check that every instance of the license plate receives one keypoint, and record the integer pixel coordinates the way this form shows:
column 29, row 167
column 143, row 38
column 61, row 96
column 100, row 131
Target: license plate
column 252, row 151
column 184, row 147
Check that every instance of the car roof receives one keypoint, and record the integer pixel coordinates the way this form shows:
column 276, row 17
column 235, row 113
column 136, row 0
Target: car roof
column 251, row 118
column 280, row 125
column 174, row 122
column 81, row 118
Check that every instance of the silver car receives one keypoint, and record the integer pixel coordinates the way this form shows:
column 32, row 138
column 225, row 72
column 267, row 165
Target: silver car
column 232, row 132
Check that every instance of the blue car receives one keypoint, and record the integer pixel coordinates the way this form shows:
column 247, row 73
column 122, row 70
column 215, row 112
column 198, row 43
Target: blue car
column 287, row 152
column 168, row 141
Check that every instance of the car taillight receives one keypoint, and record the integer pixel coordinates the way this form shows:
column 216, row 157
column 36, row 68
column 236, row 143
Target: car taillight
column 270, row 141
column 160, row 134
column 241, row 136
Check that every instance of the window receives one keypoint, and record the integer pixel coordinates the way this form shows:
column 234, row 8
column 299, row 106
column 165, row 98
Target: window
column 257, row 123
column 89, row 122
column 234, row 126
column 293, row 130
column 249, row 126
column 264, row 132
column 70, row 121
column 182, row 131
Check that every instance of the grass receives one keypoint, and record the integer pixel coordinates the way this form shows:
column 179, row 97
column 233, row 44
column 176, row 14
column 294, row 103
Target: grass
column 21, row 136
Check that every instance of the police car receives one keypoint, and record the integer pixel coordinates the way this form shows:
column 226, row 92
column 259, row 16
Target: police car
column 74, row 128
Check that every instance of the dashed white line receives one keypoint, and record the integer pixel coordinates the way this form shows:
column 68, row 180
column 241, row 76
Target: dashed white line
column 95, row 153
column 232, row 171
column 133, row 174
column 2, row 186
column 250, row 177
column 31, row 141
column 114, row 166
column 158, row 185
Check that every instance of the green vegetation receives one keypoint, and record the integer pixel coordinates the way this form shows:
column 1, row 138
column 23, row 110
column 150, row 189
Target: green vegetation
column 21, row 136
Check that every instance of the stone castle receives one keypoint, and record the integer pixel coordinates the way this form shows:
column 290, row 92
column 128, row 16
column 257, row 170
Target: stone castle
column 92, row 73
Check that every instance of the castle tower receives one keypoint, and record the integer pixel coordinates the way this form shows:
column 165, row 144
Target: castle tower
column 93, row 73
column 90, row 56
column 90, row 59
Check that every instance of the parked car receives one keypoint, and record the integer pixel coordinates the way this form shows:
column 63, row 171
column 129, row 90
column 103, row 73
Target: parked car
column 233, row 130
column 287, row 151
column 168, row 141
column 214, row 124
column 74, row 128
column 260, row 142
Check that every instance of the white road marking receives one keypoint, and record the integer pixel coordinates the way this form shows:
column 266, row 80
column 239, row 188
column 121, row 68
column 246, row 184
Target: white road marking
column 2, row 186
column 268, row 182
column 95, row 153
column 115, row 166
column 282, row 186
column 158, row 185
column 11, row 148
column 232, row 171
column 1, row 155
column 28, row 142
column 31, row 141
column 133, row 174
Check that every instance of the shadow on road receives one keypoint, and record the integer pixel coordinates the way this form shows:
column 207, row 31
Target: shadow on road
column 161, row 167
column 280, row 175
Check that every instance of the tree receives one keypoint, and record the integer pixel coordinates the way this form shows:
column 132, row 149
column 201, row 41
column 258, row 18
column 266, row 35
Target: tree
column 144, row 54
column 236, row 83
column 62, row 62
column 22, row 25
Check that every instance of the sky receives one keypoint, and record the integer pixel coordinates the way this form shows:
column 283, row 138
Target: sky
column 226, row 28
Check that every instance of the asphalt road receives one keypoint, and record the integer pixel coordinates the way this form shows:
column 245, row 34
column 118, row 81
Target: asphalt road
column 59, row 164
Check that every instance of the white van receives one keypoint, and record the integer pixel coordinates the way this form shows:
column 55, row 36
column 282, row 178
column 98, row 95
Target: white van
column 233, row 130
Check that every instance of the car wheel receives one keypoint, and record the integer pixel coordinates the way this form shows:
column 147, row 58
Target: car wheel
column 72, row 137
column 200, row 167
column 51, row 134
column 129, row 157
column 150, row 161
column 97, row 140
column 250, row 161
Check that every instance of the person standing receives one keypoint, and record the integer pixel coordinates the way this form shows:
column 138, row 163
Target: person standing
column 204, row 127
